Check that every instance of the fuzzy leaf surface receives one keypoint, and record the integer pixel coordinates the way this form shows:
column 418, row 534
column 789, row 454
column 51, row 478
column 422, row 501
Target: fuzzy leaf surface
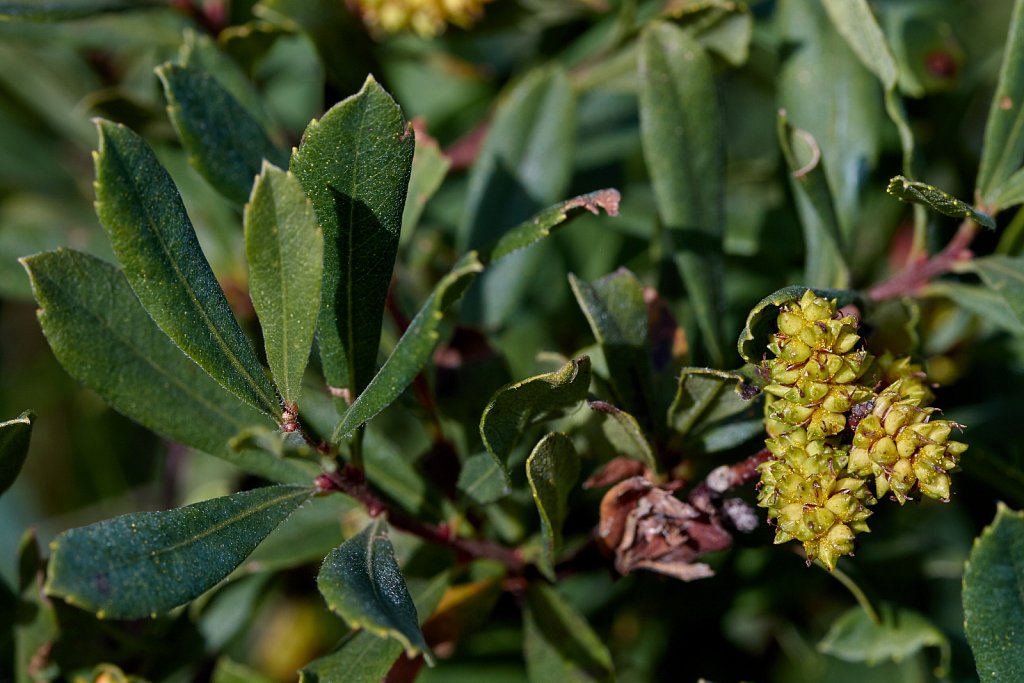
column 105, row 339
column 937, row 200
column 14, row 439
column 361, row 582
column 141, row 210
column 680, row 129
column 228, row 156
column 354, row 164
column 413, row 350
column 993, row 602
column 284, row 248
column 705, row 396
column 515, row 407
column 552, row 470
column 146, row 563
column 559, row 644
column 1005, row 276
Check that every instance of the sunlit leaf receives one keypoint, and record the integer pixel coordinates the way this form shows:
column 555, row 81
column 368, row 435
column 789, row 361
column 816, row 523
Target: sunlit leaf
column 14, row 439
column 937, row 200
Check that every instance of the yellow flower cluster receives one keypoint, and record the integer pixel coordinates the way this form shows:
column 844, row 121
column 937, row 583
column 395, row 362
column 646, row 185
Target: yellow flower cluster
column 425, row 17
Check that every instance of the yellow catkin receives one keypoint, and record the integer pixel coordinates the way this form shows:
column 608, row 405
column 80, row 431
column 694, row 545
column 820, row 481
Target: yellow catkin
column 427, row 18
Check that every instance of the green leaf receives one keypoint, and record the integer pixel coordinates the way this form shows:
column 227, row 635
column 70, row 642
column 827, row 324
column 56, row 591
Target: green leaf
column 35, row 622
column 145, row 563
column 363, row 657
column 552, row 470
column 14, row 438
column 980, row 300
column 413, row 350
column 354, row 164
column 993, row 603
column 1011, row 192
column 429, row 167
column 361, row 582
column 517, row 406
column 935, row 199
column 761, row 321
column 541, row 225
column 229, row 156
column 683, row 146
column 615, row 308
column 1005, row 276
column 105, row 339
column 284, row 247
column 625, row 434
column 229, row 671
column 902, row 633
column 482, row 480
column 559, row 644
column 823, row 235
column 1003, row 149
column 70, row 9
column 706, row 396
column 140, row 208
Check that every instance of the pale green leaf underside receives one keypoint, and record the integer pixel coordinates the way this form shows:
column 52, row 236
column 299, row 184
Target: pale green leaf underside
column 141, row 210
column 902, row 633
column 559, row 644
column 361, row 582
column 14, row 440
column 284, row 248
column 937, row 200
column 552, row 470
column 705, row 395
column 145, row 563
column 354, row 164
column 1004, row 275
column 993, row 602
column 625, row 434
column 104, row 338
column 482, row 480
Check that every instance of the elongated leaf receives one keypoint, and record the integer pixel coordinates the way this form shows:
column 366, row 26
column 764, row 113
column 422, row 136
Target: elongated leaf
column 104, row 338
column 552, row 470
column 284, row 247
column 70, row 9
column 993, row 603
column 482, row 480
column 365, row 658
column 1011, row 192
column 1003, row 149
column 361, row 582
column 145, row 563
column 683, row 146
column 625, row 434
column 937, row 200
column 14, row 438
column 980, row 300
column 615, row 308
column 1005, row 276
column 559, row 644
column 706, row 396
column 753, row 341
column 140, row 208
column 354, row 164
column 541, row 225
column 515, row 407
column 413, row 349
column 823, row 235
column 854, row 637
column 429, row 167
column 228, row 156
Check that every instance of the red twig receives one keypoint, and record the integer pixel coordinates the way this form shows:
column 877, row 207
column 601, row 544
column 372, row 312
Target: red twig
column 920, row 273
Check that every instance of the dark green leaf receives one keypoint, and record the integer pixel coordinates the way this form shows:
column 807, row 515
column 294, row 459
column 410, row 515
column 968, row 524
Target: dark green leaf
column 35, row 622
column 552, row 470
column 105, row 339
column 559, row 644
column 392, row 472
column 993, row 603
column 482, row 480
column 1003, row 149
column 753, row 341
column 363, row 657
column 615, row 308
column 284, row 248
column 823, row 236
column 140, row 208
column 515, row 407
column 14, row 438
column 144, row 563
column 936, row 200
column 854, row 637
column 683, row 147
column 429, row 167
column 70, row 9
column 413, row 349
column 1005, row 276
column 361, row 582
column 354, row 164
column 625, row 434
column 540, row 226
column 706, row 396
column 228, row 156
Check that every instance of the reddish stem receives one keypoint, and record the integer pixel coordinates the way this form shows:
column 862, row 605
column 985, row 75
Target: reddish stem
column 919, row 273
